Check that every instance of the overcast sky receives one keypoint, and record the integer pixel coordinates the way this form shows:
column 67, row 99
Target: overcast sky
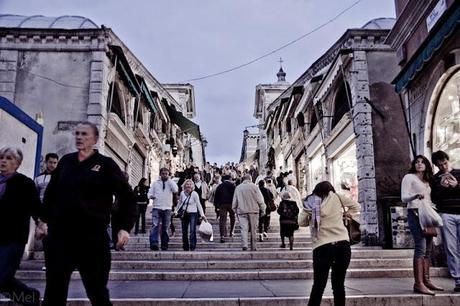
column 178, row 40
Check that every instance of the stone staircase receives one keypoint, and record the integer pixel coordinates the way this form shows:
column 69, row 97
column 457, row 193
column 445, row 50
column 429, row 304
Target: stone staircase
column 216, row 265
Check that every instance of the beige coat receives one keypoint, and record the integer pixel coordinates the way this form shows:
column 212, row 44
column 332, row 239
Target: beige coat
column 248, row 199
column 331, row 227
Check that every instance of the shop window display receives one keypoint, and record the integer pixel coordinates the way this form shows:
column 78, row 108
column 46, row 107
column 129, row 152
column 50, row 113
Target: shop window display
column 316, row 171
column 446, row 124
column 345, row 169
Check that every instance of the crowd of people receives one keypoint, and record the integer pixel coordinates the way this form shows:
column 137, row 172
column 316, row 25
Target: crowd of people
column 77, row 198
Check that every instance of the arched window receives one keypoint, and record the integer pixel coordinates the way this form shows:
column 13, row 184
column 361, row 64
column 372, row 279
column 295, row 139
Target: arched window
column 342, row 103
column 313, row 119
column 115, row 105
column 300, row 120
column 446, row 122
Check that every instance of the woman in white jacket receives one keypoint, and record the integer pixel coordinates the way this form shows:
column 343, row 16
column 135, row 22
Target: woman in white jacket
column 189, row 201
column 415, row 191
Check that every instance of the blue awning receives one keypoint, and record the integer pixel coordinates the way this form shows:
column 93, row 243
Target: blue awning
column 439, row 34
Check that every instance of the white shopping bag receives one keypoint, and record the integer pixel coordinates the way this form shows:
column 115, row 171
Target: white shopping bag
column 205, row 231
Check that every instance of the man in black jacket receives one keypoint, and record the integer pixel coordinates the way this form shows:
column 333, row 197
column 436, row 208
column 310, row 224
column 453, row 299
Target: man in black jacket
column 19, row 201
column 77, row 208
column 223, row 202
column 445, row 193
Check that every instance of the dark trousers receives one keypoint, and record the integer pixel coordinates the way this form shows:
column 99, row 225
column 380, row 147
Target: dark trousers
column 141, row 209
column 189, row 220
column 223, row 211
column 332, row 255
column 264, row 223
column 10, row 258
column 90, row 254
column 203, row 205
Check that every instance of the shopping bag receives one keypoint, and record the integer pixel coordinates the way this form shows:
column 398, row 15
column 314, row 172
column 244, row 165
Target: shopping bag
column 205, row 231
column 304, row 217
column 428, row 216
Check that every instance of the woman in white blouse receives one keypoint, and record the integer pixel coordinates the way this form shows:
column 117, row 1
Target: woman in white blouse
column 189, row 201
column 415, row 191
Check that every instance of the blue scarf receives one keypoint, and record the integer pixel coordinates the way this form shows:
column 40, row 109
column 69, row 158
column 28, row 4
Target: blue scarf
column 3, row 180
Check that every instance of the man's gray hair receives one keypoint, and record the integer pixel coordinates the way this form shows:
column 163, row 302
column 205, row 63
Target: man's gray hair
column 247, row 176
column 15, row 152
column 92, row 126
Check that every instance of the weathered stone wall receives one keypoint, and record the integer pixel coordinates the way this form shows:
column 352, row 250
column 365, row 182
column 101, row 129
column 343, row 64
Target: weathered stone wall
column 56, row 85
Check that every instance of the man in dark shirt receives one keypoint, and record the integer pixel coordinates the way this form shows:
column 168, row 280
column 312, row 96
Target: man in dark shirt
column 223, row 202
column 445, row 193
column 77, row 207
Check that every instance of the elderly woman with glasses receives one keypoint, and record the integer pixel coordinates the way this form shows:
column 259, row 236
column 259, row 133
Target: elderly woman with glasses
column 19, row 200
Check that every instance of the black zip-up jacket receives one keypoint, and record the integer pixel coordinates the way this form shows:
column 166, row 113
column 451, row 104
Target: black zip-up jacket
column 447, row 199
column 79, row 198
column 19, row 202
column 224, row 194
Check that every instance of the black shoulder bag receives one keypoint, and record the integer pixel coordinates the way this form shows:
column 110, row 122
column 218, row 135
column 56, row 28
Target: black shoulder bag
column 352, row 226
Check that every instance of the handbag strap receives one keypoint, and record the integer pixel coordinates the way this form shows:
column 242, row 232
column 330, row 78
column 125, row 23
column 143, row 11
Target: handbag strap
column 186, row 200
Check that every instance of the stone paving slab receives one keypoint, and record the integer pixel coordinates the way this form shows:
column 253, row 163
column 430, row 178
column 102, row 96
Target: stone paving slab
column 373, row 291
column 237, row 274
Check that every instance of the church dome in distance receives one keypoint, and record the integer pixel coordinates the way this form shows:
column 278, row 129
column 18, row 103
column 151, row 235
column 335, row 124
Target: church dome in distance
column 380, row 24
column 43, row 22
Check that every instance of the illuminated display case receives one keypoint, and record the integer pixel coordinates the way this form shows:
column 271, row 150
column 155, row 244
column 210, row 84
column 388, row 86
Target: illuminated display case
column 344, row 172
column 446, row 124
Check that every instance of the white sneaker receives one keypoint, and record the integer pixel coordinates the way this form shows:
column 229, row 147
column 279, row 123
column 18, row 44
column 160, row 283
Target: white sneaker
column 265, row 234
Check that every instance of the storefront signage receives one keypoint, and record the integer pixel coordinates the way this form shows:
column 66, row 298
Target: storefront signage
column 435, row 14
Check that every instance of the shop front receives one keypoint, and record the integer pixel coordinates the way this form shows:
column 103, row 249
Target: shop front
column 316, row 169
column 445, row 130
column 344, row 172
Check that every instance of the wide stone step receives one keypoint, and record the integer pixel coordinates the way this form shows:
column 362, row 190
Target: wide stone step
column 360, row 292
column 216, row 245
column 357, row 252
column 233, row 264
column 178, row 237
column 233, row 274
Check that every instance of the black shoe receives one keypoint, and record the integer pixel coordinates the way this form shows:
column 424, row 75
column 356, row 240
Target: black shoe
column 154, row 248
column 245, row 248
column 164, row 248
column 222, row 240
column 283, row 246
column 457, row 288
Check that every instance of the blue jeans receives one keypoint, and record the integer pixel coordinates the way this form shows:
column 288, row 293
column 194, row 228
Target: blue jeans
column 423, row 245
column 163, row 217
column 451, row 237
column 189, row 221
column 10, row 258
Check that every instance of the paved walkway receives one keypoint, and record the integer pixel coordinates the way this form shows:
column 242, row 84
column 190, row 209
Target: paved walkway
column 263, row 288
